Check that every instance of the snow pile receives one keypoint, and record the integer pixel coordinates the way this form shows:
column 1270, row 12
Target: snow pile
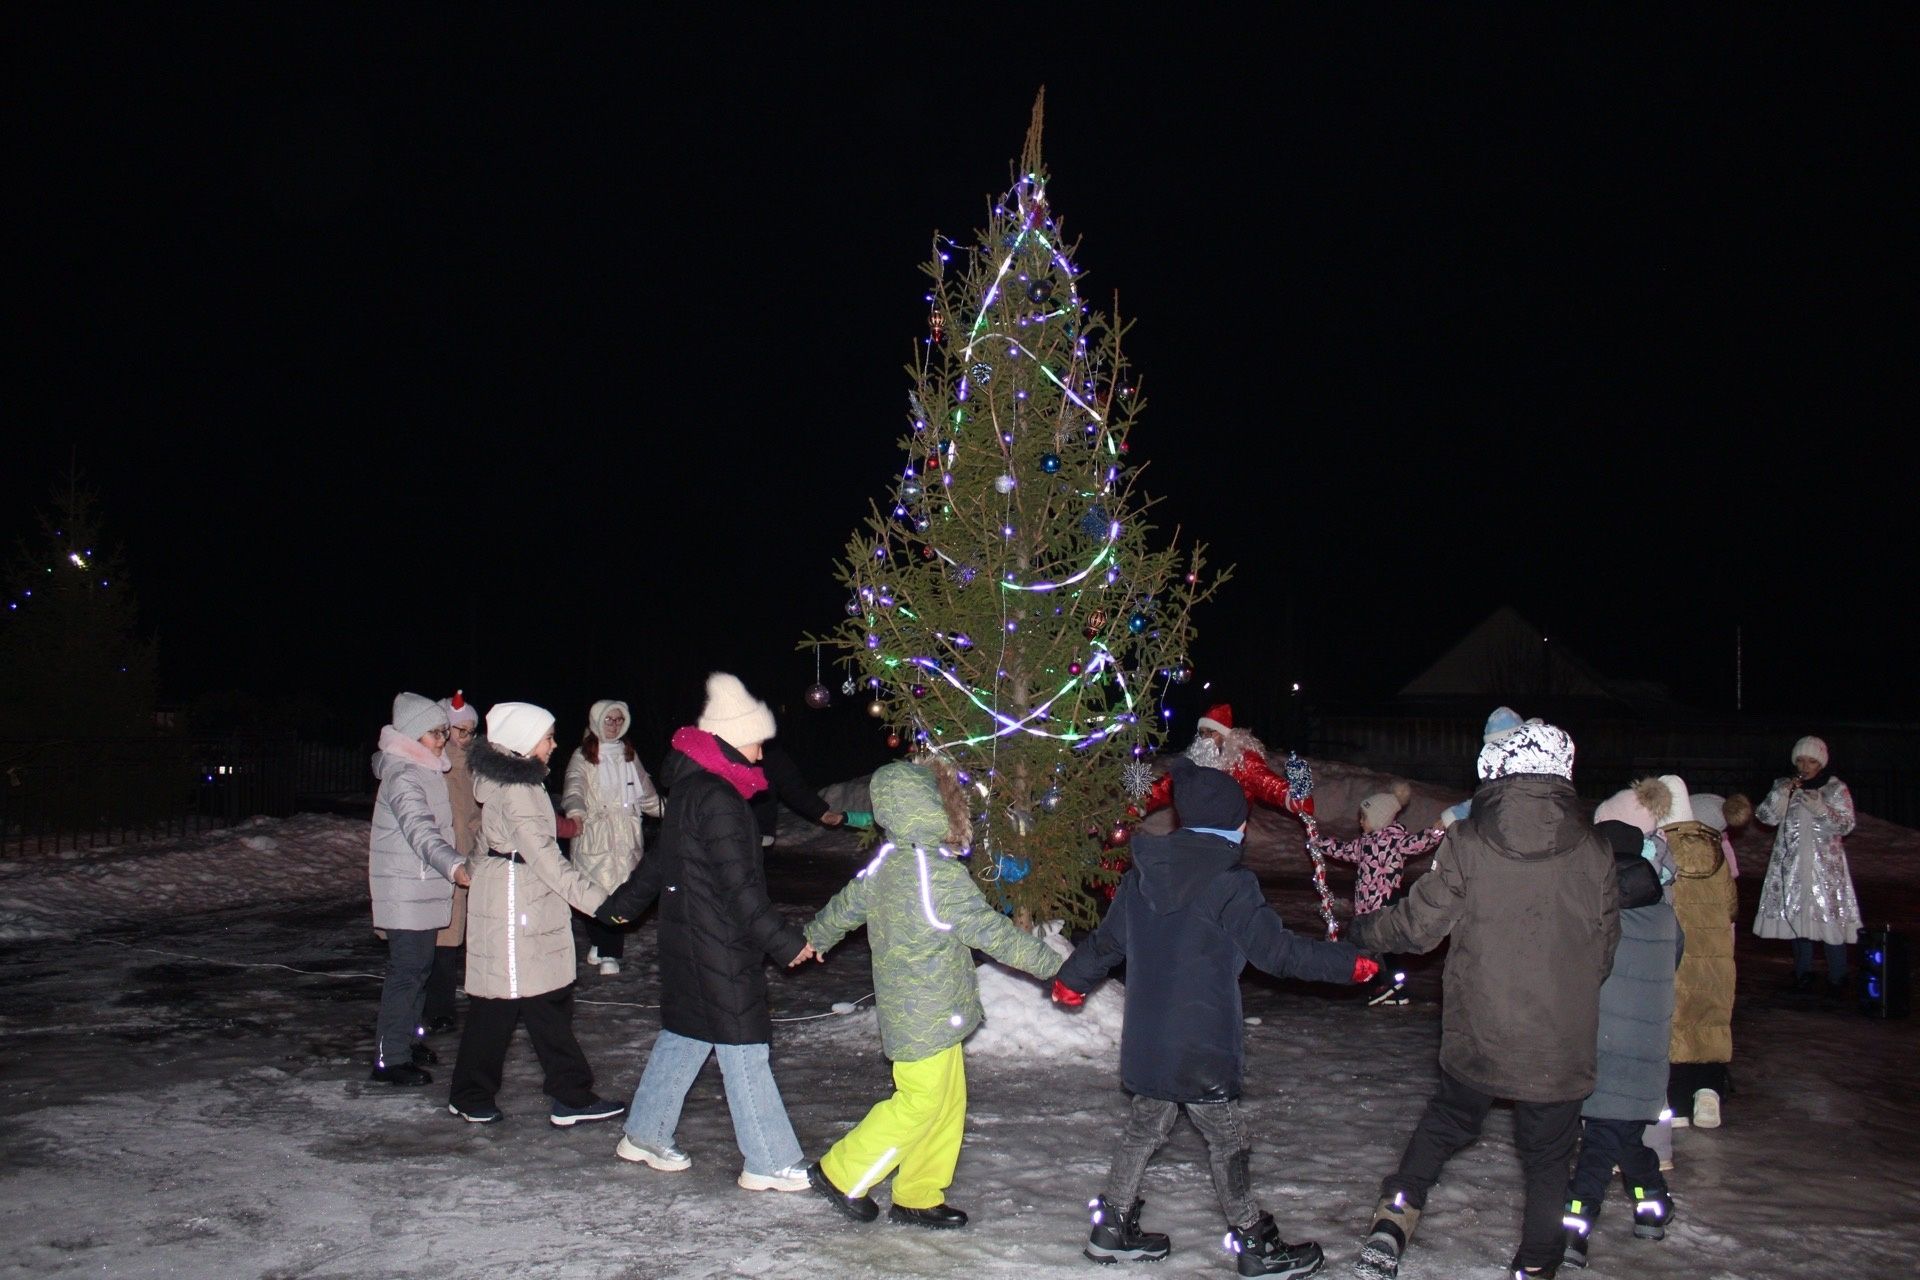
column 262, row 860
column 1023, row 1022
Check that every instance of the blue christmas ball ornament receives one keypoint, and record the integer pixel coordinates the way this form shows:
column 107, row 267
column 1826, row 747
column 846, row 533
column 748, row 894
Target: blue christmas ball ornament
column 1094, row 523
column 1012, row 869
column 1136, row 624
column 1049, row 462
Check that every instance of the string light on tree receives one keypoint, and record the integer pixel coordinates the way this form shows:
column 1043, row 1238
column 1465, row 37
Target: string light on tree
column 1031, row 541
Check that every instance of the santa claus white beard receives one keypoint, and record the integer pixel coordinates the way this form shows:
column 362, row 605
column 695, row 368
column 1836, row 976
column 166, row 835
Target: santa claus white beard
column 1207, row 753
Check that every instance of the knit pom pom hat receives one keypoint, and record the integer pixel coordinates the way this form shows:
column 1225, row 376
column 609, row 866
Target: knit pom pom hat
column 732, row 714
column 1503, row 721
column 413, row 715
column 1382, row 807
column 1645, row 804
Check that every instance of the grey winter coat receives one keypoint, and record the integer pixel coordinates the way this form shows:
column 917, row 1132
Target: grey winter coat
column 1636, row 1006
column 410, row 862
column 519, row 928
column 1525, row 888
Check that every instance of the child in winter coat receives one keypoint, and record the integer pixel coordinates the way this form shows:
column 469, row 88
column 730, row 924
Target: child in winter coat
column 1630, row 1068
column 1381, row 852
column 1525, row 894
column 1706, row 902
column 1186, row 919
column 519, row 929
column 924, row 914
column 411, row 873
column 607, row 792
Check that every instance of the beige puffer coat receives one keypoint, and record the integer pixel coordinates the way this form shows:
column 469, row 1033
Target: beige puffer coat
column 610, row 844
column 519, row 931
column 466, row 839
column 1706, row 901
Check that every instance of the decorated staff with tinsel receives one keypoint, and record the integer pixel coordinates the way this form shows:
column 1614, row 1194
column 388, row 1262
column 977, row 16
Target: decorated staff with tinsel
column 1219, row 744
column 1008, row 604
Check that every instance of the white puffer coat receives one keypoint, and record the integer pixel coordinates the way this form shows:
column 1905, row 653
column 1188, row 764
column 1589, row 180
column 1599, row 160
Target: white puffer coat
column 610, row 843
column 519, row 931
column 410, row 862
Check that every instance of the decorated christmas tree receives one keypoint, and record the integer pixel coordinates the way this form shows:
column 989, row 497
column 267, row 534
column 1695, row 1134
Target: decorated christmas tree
column 1010, row 607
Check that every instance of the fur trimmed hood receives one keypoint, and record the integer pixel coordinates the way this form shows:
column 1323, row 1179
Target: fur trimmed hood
column 504, row 768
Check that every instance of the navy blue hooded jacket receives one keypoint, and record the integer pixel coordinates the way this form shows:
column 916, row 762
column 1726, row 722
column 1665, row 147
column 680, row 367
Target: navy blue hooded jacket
column 1187, row 919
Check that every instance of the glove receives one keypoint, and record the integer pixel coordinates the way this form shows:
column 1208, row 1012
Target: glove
column 1063, row 994
column 1364, row 969
column 859, row 818
column 566, row 828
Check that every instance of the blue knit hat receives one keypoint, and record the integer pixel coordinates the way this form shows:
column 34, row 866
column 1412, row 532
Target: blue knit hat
column 1504, row 720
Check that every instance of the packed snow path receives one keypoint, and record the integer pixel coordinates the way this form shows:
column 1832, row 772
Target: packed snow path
column 183, row 1041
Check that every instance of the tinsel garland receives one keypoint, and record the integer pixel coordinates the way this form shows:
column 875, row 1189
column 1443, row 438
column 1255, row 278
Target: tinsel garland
column 1300, row 793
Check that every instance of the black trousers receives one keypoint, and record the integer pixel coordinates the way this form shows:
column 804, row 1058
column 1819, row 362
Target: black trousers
column 1604, row 1144
column 489, row 1030
column 1544, row 1133
column 611, row 939
column 440, row 984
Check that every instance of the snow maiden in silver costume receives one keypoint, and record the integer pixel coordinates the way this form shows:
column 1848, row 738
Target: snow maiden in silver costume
column 1808, row 895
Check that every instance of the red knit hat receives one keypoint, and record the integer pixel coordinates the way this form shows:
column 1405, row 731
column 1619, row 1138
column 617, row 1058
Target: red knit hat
column 1218, row 718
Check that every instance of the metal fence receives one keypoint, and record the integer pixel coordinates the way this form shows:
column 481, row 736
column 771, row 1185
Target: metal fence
column 89, row 793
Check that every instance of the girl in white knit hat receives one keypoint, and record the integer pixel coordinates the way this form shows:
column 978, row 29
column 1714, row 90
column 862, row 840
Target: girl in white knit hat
column 1808, row 895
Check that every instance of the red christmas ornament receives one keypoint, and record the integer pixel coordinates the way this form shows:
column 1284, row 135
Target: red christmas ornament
column 937, row 325
column 893, row 742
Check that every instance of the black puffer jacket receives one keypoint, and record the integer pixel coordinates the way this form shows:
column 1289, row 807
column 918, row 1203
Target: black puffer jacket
column 1526, row 888
column 1187, row 919
column 718, row 927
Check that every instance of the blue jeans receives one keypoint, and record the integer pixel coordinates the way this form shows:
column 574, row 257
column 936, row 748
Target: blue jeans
column 760, row 1124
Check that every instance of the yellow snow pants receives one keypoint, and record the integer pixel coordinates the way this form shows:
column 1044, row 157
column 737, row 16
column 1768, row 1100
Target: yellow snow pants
column 917, row 1131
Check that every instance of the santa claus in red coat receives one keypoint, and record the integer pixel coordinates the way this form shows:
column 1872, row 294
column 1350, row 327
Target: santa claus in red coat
column 1218, row 745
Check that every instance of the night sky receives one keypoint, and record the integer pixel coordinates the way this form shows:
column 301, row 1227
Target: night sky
column 557, row 358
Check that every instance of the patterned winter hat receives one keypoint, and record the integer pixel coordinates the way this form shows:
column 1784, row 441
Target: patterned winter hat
column 1503, row 721
column 1535, row 747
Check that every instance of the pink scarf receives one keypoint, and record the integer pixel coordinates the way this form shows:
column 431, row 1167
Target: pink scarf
column 704, row 750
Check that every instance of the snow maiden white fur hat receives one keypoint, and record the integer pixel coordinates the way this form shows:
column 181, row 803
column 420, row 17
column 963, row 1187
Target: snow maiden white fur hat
column 1682, row 808
column 1811, row 747
column 1535, row 747
column 414, row 715
column 732, row 714
column 518, row 726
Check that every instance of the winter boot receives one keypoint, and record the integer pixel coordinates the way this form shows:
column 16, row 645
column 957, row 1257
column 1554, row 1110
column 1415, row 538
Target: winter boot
column 1393, row 1223
column 1651, row 1214
column 1578, row 1221
column 1117, row 1237
column 1389, row 989
column 1706, row 1109
column 1258, row 1250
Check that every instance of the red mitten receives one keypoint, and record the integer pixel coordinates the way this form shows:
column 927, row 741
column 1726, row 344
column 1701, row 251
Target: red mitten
column 566, row 828
column 1066, row 995
column 1364, row 969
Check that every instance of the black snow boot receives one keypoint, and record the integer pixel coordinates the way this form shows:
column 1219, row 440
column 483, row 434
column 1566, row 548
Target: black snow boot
column 1258, row 1250
column 1393, row 1223
column 400, row 1073
column 1117, row 1237
column 1578, row 1222
column 1651, row 1214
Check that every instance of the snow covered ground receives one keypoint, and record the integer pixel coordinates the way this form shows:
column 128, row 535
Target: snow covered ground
column 183, row 1040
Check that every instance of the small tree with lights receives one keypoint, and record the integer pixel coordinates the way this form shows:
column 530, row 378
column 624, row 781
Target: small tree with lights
column 1010, row 607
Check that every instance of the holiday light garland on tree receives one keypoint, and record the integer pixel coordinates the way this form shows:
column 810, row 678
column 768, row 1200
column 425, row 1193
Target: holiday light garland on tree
column 1008, row 606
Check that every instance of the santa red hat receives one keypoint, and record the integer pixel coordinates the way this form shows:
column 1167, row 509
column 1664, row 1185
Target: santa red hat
column 1218, row 718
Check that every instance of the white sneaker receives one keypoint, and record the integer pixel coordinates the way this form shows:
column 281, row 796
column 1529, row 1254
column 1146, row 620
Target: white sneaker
column 667, row 1160
column 1706, row 1109
column 1679, row 1121
column 791, row 1178
column 593, row 955
column 766, row 842
column 608, row 966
